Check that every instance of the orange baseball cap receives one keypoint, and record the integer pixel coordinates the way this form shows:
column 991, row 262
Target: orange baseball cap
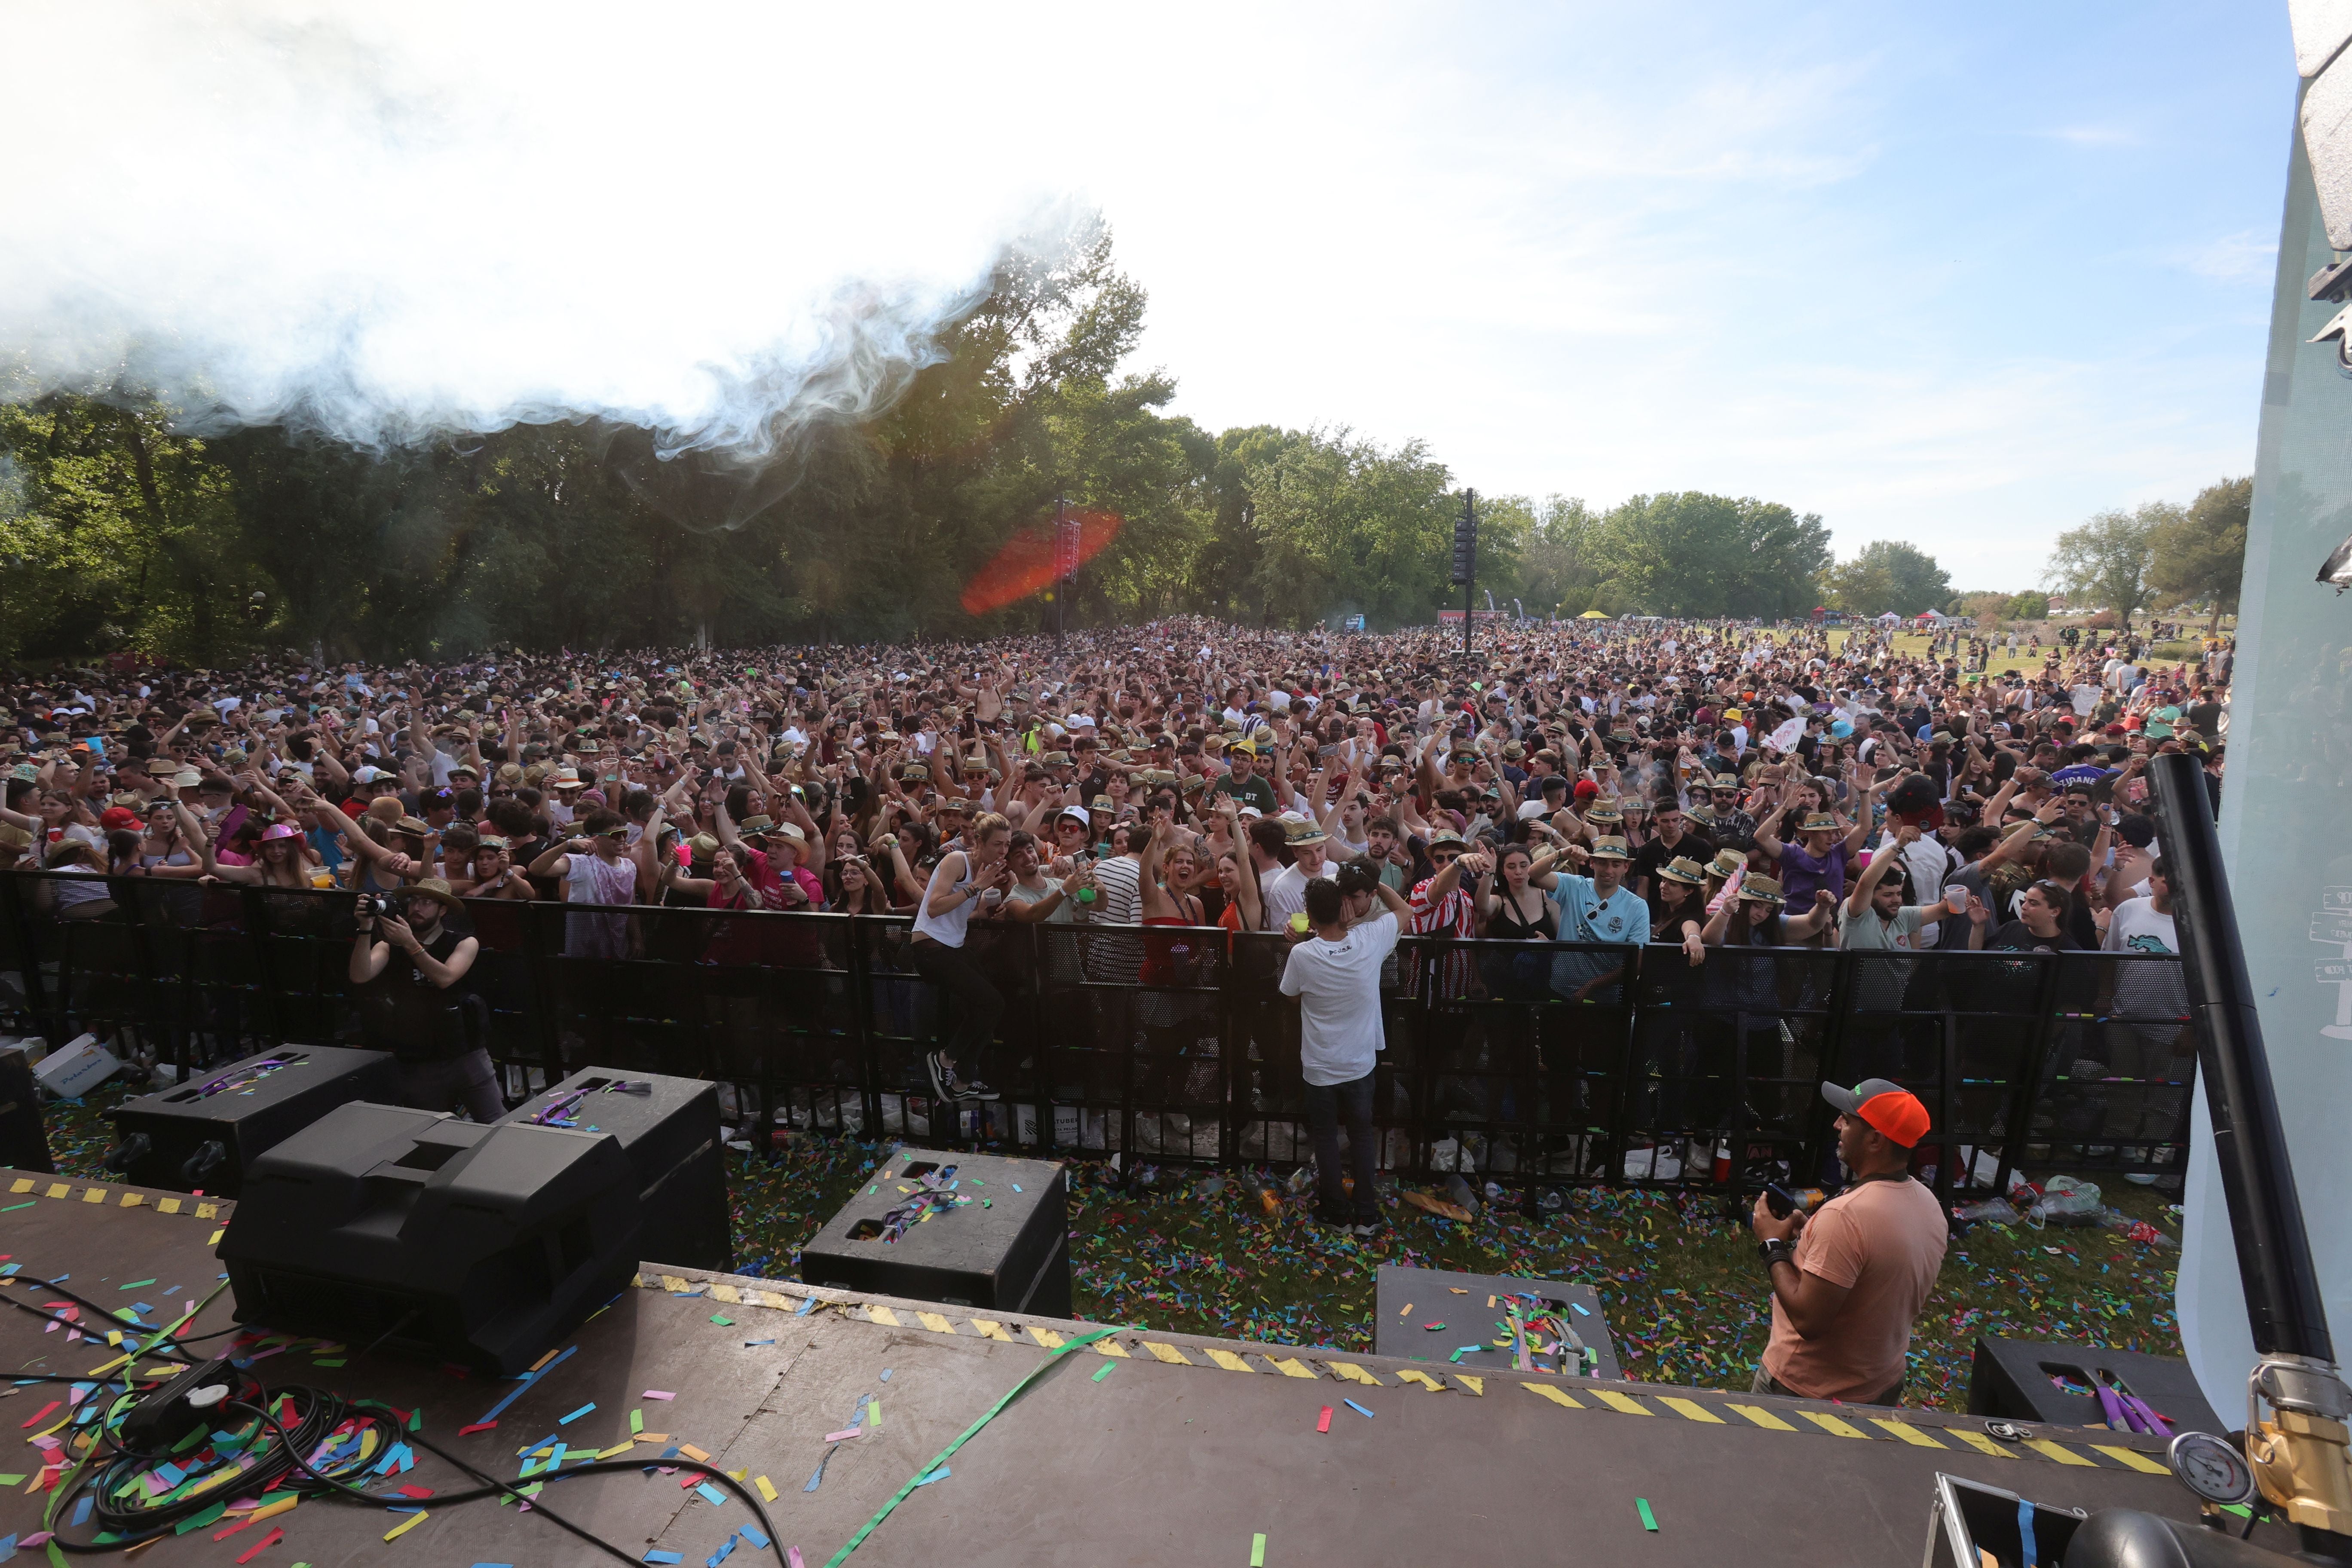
column 1891, row 1108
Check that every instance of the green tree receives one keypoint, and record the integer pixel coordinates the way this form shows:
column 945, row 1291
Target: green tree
column 2104, row 562
column 2195, row 558
column 1886, row 575
column 1695, row 555
column 2029, row 606
column 1345, row 527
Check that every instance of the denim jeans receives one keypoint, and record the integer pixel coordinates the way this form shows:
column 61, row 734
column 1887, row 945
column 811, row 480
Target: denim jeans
column 1326, row 1104
column 972, row 1001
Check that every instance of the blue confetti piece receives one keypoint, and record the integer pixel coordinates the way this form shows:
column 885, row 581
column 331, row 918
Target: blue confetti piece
column 712, row 1495
column 756, row 1536
column 493, row 1565
column 664, row 1557
column 1581, row 1309
column 943, row 1473
column 81, row 1509
column 818, row 1474
column 1357, row 1408
column 716, row 1558
column 885, row 1374
column 568, row 1420
column 807, row 1304
column 1017, row 1186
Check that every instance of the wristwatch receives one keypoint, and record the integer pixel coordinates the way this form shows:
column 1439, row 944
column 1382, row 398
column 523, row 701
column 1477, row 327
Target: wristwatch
column 1776, row 1250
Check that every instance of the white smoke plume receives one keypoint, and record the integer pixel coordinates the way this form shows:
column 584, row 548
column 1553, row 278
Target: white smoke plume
column 385, row 223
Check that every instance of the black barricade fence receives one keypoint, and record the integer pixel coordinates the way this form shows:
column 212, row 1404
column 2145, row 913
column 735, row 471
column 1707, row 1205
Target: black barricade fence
column 1530, row 1065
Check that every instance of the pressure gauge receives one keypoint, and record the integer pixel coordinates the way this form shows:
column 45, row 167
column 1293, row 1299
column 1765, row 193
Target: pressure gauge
column 2211, row 1467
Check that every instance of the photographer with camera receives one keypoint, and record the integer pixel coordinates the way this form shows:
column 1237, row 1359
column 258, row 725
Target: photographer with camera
column 1860, row 1267
column 409, row 967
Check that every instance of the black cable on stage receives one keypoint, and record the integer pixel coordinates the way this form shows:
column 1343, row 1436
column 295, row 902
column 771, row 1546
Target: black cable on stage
column 321, row 1414
column 158, row 1349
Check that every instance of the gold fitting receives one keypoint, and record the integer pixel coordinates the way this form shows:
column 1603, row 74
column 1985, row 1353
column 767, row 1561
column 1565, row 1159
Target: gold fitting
column 2304, row 1465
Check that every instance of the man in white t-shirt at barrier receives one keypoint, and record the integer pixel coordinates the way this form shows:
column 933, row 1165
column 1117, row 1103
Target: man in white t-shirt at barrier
column 1335, row 975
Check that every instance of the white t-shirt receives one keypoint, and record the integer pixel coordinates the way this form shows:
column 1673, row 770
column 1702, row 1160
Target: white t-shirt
column 1338, row 985
column 1283, row 894
column 2147, row 994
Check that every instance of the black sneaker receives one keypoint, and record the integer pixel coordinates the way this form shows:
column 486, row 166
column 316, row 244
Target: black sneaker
column 1368, row 1227
column 1337, row 1219
column 972, row 1088
column 943, row 1077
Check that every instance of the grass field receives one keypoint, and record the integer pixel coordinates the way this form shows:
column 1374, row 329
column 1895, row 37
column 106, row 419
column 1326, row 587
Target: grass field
column 1684, row 1295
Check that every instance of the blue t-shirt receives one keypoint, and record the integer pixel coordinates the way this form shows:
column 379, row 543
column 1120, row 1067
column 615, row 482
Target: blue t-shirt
column 1586, row 916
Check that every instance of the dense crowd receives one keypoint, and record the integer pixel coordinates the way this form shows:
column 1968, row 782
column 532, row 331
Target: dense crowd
column 1604, row 783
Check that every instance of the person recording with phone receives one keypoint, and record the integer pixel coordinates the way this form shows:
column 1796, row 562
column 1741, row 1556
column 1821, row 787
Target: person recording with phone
column 410, row 967
column 1848, row 1281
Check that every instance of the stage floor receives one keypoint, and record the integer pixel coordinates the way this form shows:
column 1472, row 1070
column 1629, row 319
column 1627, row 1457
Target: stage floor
column 1181, row 1452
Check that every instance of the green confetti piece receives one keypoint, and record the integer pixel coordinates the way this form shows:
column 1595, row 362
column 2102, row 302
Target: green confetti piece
column 12, row 1208
column 1257, row 1551
column 723, row 1320
column 10, row 1480
column 332, row 1361
column 637, row 1421
column 134, row 1285
column 1649, row 1520
column 1104, row 1371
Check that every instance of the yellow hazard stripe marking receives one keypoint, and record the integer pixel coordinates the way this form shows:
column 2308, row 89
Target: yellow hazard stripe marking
column 1689, row 1409
column 1834, row 1426
column 1763, row 1417
column 1557, row 1396
column 2063, row 1456
column 1289, row 1366
column 1626, row 1403
column 1168, row 1353
column 996, row 1330
column 2137, row 1460
column 1908, row 1433
column 1047, row 1338
column 935, row 1322
column 1229, row 1360
column 1979, row 1442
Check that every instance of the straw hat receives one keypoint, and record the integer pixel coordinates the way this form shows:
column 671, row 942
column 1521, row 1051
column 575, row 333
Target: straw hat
column 1684, row 869
column 1761, row 890
column 1607, row 848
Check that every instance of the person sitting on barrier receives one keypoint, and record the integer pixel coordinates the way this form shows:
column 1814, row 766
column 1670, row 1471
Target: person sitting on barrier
column 1334, row 970
column 938, row 949
column 410, row 967
column 1847, row 1292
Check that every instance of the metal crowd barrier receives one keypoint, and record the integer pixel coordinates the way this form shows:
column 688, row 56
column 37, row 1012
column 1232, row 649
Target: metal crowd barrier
column 1534, row 1064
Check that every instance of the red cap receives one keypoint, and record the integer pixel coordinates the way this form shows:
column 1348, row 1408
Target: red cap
column 1586, row 789
column 115, row 817
column 1891, row 1108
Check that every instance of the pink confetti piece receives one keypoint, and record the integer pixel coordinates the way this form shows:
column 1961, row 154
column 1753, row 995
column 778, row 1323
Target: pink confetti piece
column 657, row 1394
column 844, row 1435
column 792, row 1556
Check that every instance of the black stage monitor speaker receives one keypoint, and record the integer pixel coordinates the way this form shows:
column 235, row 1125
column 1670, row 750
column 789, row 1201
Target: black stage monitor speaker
column 668, row 1129
column 479, row 1244
column 1006, row 1247
column 24, row 1136
column 2028, row 1381
column 204, row 1133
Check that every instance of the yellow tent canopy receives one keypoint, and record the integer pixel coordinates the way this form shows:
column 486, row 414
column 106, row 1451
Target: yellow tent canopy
column 1593, row 616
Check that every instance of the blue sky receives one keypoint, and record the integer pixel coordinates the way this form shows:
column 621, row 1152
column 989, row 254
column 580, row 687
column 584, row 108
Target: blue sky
column 1960, row 277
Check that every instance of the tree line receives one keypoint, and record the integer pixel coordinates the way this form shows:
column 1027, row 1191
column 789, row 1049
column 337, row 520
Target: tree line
column 122, row 532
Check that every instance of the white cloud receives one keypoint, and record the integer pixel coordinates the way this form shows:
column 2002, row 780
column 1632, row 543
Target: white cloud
column 1577, row 249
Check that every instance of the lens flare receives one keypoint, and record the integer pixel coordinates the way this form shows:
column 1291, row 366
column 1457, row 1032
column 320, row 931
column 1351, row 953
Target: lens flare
column 1025, row 565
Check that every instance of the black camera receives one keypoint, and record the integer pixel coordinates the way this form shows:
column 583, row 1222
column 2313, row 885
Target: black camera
column 376, row 906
